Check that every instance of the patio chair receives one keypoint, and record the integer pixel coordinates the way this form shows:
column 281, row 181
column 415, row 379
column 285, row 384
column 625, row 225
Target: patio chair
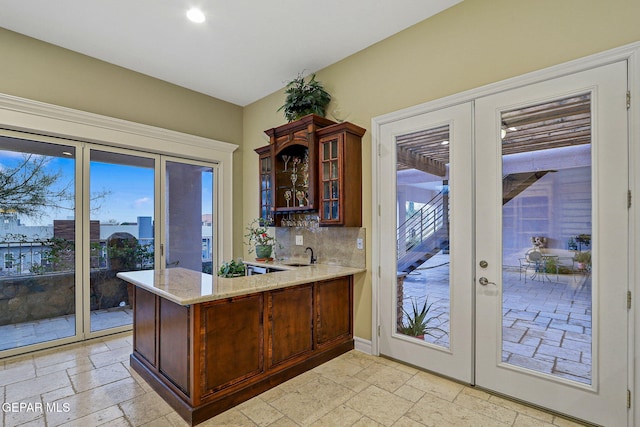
column 533, row 260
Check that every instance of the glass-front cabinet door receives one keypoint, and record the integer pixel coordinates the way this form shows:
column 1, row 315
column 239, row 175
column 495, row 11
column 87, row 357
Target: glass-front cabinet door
column 265, row 164
column 330, row 184
column 340, row 174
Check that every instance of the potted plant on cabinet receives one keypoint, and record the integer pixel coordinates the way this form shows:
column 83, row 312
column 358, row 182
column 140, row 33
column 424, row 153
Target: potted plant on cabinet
column 259, row 239
column 304, row 98
column 419, row 321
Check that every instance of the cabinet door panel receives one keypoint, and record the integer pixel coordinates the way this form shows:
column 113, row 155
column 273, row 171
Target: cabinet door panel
column 173, row 360
column 233, row 344
column 145, row 324
column 333, row 310
column 290, row 323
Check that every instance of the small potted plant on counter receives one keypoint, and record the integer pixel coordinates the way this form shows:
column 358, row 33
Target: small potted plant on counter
column 259, row 239
column 232, row 268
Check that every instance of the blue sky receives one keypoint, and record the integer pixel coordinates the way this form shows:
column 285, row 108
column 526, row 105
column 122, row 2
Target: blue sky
column 130, row 190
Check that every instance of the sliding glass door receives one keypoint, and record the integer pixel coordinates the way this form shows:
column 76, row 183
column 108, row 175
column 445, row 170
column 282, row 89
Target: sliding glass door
column 73, row 215
column 190, row 240
column 121, row 232
column 39, row 243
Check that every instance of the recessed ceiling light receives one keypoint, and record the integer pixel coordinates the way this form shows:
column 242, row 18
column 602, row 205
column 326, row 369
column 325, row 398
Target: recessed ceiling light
column 195, row 15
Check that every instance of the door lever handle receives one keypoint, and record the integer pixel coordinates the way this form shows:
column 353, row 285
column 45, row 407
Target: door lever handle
column 484, row 281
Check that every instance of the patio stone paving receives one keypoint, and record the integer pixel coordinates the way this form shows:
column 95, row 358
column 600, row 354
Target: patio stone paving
column 546, row 321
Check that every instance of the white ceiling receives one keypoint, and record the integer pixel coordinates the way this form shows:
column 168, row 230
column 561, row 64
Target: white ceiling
column 245, row 50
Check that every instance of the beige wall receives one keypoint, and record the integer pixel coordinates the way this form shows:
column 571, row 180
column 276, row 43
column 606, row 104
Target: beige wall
column 472, row 44
column 40, row 71
column 43, row 72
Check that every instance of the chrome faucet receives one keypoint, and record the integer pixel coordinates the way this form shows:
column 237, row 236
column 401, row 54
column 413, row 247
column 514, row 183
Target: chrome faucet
column 313, row 259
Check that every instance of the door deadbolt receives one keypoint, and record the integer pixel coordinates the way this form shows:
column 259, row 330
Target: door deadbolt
column 484, row 264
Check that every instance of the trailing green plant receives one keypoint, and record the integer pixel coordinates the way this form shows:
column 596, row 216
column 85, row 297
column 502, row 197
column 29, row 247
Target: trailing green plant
column 304, row 98
column 232, row 268
column 419, row 321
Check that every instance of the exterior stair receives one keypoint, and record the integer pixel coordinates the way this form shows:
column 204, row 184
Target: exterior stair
column 426, row 232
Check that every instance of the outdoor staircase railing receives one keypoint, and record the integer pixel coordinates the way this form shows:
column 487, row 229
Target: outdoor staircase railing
column 420, row 226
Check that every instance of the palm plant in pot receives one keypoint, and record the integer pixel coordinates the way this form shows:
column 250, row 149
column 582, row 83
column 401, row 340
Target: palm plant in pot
column 419, row 322
column 305, row 97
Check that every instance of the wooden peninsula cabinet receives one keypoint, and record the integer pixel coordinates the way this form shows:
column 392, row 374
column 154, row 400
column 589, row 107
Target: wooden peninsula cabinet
column 206, row 357
column 312, row 165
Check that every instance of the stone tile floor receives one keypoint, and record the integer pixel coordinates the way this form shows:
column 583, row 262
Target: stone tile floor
column 91, row 384
column 546, row 320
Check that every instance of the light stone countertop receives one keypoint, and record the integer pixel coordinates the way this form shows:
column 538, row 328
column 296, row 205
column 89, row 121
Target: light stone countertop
column 186, row 287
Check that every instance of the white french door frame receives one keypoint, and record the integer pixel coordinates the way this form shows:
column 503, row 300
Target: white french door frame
column 603, row 399
column 629, row 53
column 455, row 359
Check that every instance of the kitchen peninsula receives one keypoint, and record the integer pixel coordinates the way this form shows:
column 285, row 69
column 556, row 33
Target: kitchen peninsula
column 206, row 343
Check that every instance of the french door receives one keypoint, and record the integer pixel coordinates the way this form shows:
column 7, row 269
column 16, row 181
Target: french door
column 514, row 239
column 429, row 270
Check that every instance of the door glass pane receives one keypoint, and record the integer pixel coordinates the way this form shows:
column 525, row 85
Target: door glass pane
column 120, row 232
column 37, row 242
column 190, row 232
column 423, row 288
column 546, row 240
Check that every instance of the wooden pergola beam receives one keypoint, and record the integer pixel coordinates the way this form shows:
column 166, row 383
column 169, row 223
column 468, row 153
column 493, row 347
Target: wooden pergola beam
column 423, row 163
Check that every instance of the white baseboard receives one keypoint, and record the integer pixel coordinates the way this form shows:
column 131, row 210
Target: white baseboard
column 362, row 345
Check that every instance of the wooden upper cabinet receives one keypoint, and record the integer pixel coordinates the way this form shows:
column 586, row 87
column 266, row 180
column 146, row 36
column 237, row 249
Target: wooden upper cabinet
column 294, row 151
column 291, row 171
column 340, row 174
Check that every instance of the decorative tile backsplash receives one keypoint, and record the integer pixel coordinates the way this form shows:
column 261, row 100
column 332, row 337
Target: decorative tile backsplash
column 331, row 245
